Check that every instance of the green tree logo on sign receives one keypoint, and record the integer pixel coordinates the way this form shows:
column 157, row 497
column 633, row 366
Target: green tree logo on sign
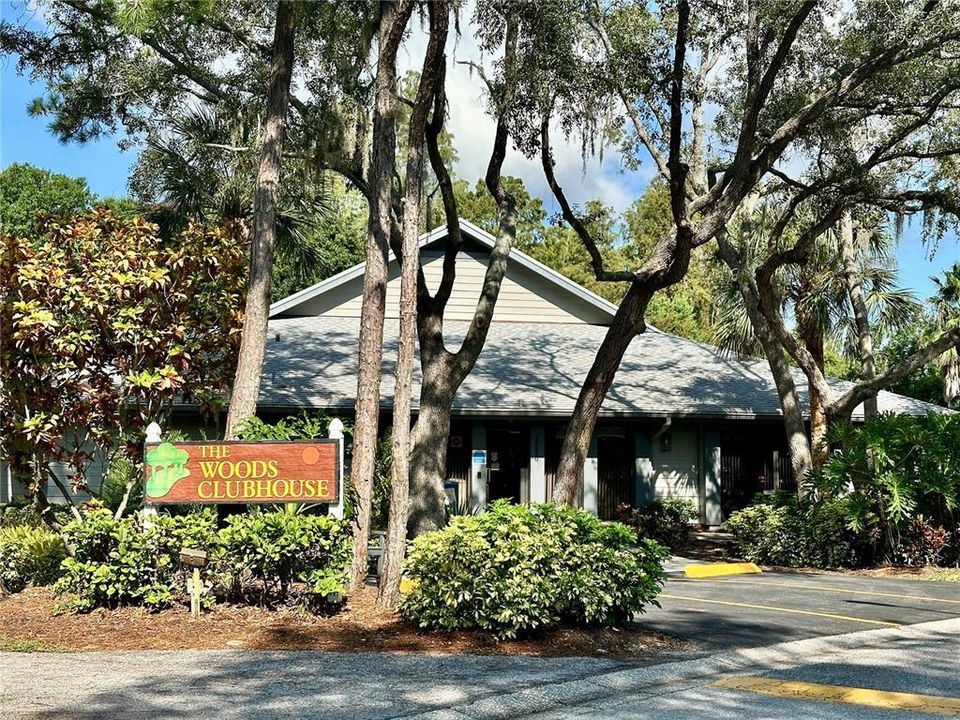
column 167, row 465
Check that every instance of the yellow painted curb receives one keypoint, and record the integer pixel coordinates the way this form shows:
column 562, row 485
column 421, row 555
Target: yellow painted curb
column 720, row 569
column 406, row 585
column 865, row 697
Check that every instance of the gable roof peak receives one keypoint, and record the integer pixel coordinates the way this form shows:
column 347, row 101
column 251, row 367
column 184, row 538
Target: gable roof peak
column 476, row 234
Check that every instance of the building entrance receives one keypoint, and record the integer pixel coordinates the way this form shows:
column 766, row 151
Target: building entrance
column 508, row 463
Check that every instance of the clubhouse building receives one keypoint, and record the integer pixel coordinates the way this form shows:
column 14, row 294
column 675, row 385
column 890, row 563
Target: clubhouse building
column 682, row 418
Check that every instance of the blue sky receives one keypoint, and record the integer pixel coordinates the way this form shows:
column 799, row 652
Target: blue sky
column 27, row 139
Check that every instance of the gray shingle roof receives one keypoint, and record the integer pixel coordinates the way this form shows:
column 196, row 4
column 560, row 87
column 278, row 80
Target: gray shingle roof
column 533, row 369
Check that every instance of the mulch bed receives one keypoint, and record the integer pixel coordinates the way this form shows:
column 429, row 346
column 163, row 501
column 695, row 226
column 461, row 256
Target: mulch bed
column 27, row 622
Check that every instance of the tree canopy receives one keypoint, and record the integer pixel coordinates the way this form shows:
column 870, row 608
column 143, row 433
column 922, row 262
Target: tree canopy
column 27, row 191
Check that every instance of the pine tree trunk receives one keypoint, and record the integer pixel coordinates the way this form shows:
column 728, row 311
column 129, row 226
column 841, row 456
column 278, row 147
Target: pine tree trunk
column 246, row 385
column 370, row 357
column 868, row 367
column 627, row 323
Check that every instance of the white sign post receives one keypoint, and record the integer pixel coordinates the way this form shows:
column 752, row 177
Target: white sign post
column 335, row 432
column 153, row 437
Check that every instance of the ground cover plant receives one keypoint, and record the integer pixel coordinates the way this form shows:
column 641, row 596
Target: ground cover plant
column 519, row 568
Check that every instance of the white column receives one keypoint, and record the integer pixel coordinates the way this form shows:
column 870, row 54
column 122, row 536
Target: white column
column 478, row 466
column 591, row 479
column 335, row 432
column 538, row 465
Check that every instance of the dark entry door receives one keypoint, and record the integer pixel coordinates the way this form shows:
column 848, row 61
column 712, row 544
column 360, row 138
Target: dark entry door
column 508, row 455
column 615, row 475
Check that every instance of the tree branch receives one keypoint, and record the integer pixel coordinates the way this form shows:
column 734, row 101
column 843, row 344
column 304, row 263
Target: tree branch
column 844, row 405
column 596, row 258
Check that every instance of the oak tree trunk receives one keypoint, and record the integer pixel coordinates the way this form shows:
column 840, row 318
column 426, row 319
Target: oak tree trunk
column 396, row 541
column 370, row 355
column 429, row 458
column 627, row 323
column 813, row 340
column 798, row 443
column 444, row 371
column 246, row 385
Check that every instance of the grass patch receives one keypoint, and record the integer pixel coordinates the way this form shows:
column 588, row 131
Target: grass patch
column 28, row 646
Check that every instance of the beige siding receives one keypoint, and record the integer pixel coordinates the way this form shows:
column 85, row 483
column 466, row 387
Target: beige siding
column 524, row 295
column 677, row 470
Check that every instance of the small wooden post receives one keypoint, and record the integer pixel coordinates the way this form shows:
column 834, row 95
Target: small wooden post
column 195, row 595
column 195, row 559
column 149, row 511
column 335, row 432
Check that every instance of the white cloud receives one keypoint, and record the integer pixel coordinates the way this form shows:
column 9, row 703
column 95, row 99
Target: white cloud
column 473, row 131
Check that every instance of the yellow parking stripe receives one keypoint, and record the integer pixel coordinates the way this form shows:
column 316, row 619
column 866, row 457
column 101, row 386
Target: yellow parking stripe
column 929, row 704
column 807, row 586
column 794, row 611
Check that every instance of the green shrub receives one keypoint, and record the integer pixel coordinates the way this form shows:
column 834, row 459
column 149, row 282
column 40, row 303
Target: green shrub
column 780, row 530
column 29, row 556
column 517, row 568
column 889, row 471
column 265, row 553
column 666, row 520
column 16, row 515
column 117, row 562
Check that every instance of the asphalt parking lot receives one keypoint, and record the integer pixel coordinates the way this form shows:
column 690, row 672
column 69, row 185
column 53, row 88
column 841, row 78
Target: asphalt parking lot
column 741, row 611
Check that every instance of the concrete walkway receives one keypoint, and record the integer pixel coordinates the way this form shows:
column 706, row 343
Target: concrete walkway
column 919, row 659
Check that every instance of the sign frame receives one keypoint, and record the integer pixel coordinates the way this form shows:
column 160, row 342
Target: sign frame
column 337, row 480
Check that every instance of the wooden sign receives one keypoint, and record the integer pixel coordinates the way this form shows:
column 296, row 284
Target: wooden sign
column 242, row 472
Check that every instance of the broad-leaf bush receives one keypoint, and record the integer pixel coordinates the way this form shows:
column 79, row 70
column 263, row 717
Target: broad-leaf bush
column 29, row 556
column 107, row 321
column 117, row 562
column 265, row 553
column 258, row 556
column 780, row 530
column 666, row 520
column 16, row 515
column 518, row 568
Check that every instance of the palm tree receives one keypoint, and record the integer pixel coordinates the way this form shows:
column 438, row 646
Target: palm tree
column 946, row 304
column 204, row 168
column 817, row 295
